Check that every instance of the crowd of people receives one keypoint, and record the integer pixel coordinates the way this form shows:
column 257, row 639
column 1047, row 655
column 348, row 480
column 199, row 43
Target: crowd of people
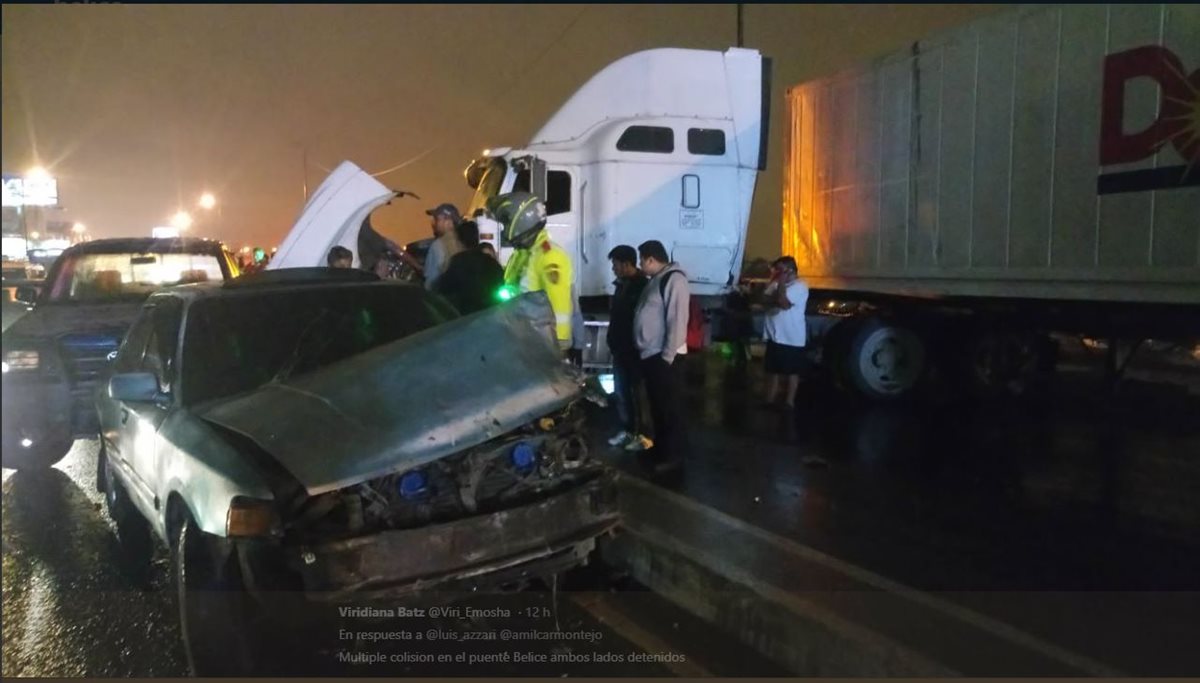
column 649, row 317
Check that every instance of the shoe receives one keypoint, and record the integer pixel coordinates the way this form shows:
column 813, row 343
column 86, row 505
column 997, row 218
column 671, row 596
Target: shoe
column 621, row 439
column 639, row 443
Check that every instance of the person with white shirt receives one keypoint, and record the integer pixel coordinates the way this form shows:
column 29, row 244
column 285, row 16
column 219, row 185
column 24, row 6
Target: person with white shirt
column 785, row 330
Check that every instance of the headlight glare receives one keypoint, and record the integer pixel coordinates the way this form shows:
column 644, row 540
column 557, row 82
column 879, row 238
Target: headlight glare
column 15, row 361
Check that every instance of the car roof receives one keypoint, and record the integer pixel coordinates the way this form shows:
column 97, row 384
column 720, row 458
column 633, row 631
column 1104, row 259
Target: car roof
column 116, row 245
column 284, row 279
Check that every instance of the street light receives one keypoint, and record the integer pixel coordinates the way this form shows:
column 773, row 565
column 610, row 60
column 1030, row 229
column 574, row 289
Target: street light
column 207, row 201
column 181, row 220
column 79, row 228
column 37, row 173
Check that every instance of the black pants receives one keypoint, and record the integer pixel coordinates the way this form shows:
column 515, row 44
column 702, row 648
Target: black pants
column 627, row 378
column 664, row 384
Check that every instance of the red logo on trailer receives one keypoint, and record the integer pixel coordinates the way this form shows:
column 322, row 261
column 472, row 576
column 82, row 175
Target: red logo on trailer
column 1178, row 122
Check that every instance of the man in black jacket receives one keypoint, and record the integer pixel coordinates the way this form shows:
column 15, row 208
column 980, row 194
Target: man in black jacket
column 626, row 374
column 473, row 278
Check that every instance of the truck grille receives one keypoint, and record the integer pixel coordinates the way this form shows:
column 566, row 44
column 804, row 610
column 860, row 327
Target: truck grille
column 86, row 355
column 84, row 358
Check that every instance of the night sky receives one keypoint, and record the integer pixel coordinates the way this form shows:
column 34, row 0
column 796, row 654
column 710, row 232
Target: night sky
column 139, row 109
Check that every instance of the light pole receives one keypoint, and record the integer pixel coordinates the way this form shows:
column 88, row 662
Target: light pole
column 37, row 174
column 208, row 202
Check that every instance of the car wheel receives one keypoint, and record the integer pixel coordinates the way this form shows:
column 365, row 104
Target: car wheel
column 214, row 608
column 133, row 531
column 21, row 453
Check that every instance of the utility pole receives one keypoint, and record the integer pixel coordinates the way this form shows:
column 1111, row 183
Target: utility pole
column 304, row 161
column 740, row 42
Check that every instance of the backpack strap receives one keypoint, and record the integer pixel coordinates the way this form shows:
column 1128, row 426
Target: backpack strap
column 662, row 284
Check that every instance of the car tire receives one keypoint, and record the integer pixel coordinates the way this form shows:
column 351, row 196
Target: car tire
column 214, row 608
column 40, row 456
column 133, row 531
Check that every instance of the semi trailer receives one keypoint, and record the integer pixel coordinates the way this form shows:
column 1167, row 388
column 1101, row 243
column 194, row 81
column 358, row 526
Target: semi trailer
column 1036, row 171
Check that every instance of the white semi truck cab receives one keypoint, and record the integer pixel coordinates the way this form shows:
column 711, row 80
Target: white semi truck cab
column 664, row 144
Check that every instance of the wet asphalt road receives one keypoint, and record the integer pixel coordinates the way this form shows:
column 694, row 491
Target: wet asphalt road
column 67, row 608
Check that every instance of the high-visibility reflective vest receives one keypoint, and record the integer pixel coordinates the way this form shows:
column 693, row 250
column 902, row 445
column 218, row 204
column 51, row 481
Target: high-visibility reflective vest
column 545, row 267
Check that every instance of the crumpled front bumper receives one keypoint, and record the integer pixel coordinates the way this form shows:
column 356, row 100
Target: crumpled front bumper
column 535, row 539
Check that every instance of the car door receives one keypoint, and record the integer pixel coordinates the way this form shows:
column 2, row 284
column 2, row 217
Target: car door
column 159, row 360
column 114, row 416
column 133, row 426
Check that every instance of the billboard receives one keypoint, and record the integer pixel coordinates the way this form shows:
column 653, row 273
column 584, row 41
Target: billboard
column 35, row 191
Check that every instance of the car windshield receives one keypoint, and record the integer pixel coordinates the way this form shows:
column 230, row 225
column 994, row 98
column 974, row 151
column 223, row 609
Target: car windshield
column 123, row 276
column 234, row 344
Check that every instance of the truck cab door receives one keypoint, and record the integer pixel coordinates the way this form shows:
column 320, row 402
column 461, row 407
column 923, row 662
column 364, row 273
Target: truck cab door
column 559, row 188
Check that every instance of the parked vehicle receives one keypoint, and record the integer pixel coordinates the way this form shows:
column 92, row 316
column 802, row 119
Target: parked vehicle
column 323, row 432
column 54, row 354
column 1034, row 171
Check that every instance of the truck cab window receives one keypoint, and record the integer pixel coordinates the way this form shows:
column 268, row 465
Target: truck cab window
column 558, row 190
column 706, row 141
column 656, row 139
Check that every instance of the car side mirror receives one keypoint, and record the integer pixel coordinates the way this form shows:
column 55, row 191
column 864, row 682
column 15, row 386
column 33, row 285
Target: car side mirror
column 134, row 387
column 27, row 294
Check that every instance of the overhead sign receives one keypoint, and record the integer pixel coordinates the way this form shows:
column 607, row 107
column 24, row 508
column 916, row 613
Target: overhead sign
column 12, row 191
column 38, row 191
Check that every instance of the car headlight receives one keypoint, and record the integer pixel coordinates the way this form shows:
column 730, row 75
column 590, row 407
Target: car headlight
column 16, row 361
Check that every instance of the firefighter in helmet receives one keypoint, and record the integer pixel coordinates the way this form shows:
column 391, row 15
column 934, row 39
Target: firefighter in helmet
column 538, row 264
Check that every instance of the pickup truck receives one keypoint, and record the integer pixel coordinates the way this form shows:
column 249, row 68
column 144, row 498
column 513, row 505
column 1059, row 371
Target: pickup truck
column 55, row 353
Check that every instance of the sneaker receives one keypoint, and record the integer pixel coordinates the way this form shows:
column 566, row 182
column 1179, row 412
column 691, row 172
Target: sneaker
column 621, row 439
column 639, row 443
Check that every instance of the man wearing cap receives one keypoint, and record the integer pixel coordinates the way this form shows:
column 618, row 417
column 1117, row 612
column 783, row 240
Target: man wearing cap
column 444, row 218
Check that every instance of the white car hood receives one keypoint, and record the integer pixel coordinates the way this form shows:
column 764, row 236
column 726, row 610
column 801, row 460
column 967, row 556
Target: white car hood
column 332, row 217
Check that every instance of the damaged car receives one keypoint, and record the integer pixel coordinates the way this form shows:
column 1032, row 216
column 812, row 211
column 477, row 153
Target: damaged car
column 326, row 433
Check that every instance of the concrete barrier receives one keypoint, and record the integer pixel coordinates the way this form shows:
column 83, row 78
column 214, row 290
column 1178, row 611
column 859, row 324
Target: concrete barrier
column 811, row 613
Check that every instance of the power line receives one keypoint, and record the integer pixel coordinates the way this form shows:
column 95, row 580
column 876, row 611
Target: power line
column 522, row 72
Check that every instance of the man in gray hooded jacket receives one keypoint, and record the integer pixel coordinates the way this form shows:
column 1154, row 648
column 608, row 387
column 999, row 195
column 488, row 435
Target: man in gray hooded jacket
column 660, row 333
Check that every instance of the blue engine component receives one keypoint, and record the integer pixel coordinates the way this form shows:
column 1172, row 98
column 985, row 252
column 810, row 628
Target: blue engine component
column 523, row 457
column 412, row 485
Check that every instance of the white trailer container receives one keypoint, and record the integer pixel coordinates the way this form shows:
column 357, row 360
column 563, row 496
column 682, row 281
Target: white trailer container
column 1035, row 169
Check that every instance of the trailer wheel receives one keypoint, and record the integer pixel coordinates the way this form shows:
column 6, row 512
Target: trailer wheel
column 884, row 360
column 1008, row 363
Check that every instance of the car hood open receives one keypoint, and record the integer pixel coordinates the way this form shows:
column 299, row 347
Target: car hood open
column 410, row 402
column 333, row 216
